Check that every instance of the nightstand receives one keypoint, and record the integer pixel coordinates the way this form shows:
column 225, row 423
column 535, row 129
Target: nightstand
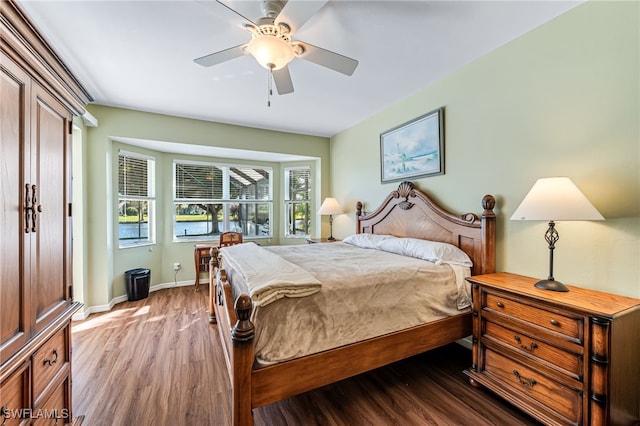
column 564, row 358
column 320, row 240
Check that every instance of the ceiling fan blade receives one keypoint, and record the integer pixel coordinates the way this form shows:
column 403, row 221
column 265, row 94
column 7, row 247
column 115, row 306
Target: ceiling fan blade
column 282, row 78
column 327, row 58
column 296, row 13
column 221, row 56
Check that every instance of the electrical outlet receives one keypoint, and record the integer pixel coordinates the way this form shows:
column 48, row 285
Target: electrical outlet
column 176, row 266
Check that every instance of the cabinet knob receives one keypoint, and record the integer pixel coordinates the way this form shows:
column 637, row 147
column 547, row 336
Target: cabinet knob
column 500, row 305
column 554, row 322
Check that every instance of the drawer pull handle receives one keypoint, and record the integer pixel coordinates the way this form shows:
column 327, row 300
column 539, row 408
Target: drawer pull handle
column 529, row 348
column 500, row 305
column 27, row 208
column 554, row 322
column 524, row 381
column 53, row 361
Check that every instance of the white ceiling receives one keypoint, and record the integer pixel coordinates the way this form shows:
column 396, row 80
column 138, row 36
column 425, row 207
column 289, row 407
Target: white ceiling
column 139, row 55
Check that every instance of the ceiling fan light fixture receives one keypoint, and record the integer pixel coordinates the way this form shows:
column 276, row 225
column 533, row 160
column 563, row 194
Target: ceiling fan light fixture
column 271, row 44
column 270, row 51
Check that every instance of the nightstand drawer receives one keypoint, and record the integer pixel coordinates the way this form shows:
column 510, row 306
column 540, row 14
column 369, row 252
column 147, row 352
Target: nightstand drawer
column 566, row 362
column 557, row 397
column 554, row 321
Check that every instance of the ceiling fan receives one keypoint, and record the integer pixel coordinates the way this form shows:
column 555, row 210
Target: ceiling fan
column 272, row 46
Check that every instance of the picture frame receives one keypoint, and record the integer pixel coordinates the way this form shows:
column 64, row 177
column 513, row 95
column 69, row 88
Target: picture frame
column 413, row 149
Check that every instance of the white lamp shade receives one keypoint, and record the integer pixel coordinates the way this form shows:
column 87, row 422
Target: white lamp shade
column 556, row 199
column 330, row 206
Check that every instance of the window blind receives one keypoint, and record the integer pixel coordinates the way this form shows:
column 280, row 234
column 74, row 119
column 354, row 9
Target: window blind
column 207, row 182
column 299, row 185
column 133, row 176
column 198, row 181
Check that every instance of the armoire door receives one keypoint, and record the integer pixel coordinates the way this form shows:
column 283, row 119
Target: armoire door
column 15, row 86
column 50, row 175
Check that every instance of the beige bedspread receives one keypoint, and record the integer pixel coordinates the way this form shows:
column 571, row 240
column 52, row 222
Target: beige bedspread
column 365, row 293
column 267, row 276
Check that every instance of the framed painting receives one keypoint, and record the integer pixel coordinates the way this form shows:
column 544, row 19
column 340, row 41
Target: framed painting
column 413, row 149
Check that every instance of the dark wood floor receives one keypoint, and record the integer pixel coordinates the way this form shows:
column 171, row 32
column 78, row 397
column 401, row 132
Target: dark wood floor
column 155, row 362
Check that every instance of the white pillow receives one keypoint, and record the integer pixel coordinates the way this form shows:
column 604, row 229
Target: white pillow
column 432, row 251
column 365, row 240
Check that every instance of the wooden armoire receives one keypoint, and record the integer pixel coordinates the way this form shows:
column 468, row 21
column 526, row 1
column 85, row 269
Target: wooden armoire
column 38, row 99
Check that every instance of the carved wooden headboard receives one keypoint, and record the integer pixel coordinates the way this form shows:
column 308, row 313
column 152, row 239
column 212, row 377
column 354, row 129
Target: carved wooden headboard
column 409, row 212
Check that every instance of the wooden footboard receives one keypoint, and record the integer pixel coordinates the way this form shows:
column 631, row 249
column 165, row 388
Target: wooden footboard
column 255, row 387
column 279, row 381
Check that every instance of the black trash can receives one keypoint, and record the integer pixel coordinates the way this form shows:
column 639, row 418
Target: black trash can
column 137, row 282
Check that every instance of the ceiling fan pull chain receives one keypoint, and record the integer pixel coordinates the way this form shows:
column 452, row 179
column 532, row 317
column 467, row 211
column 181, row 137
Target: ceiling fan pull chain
column 269, row 90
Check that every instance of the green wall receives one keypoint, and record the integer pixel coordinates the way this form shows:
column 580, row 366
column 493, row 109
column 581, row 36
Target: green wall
column 562, row 100
column 102, row 278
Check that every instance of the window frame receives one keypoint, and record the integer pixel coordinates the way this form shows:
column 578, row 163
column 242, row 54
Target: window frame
column 149, row 198
column 287, row 201
column 226, row 202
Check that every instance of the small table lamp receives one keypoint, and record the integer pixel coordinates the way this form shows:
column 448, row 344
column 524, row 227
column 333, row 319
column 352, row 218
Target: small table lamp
column 330, row 207
column 555, row 199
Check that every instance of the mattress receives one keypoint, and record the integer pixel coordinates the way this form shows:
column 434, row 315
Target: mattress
column 364, row 293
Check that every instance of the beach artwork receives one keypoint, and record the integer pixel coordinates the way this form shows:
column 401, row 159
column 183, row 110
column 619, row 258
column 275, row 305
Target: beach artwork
column 414, row 149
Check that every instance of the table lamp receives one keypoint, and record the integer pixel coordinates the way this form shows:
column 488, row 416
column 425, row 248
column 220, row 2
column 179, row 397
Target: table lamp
column 555, row 199
column 330, row 207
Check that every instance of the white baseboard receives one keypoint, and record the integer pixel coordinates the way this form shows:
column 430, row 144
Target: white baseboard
column 88, row 310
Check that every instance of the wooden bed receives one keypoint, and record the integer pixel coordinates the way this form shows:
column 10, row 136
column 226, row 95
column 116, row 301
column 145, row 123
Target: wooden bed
column 406, row 212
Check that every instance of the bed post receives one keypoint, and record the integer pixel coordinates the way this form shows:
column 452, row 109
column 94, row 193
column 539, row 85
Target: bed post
column 242, row 335
column 359, row 213
column 488, row 235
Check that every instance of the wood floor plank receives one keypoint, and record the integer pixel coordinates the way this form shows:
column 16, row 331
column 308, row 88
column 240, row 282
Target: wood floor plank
column 157, row 362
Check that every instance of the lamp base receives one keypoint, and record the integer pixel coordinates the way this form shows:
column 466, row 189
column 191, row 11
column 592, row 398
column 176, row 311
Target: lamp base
column 552, row 285
column 331, row 238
